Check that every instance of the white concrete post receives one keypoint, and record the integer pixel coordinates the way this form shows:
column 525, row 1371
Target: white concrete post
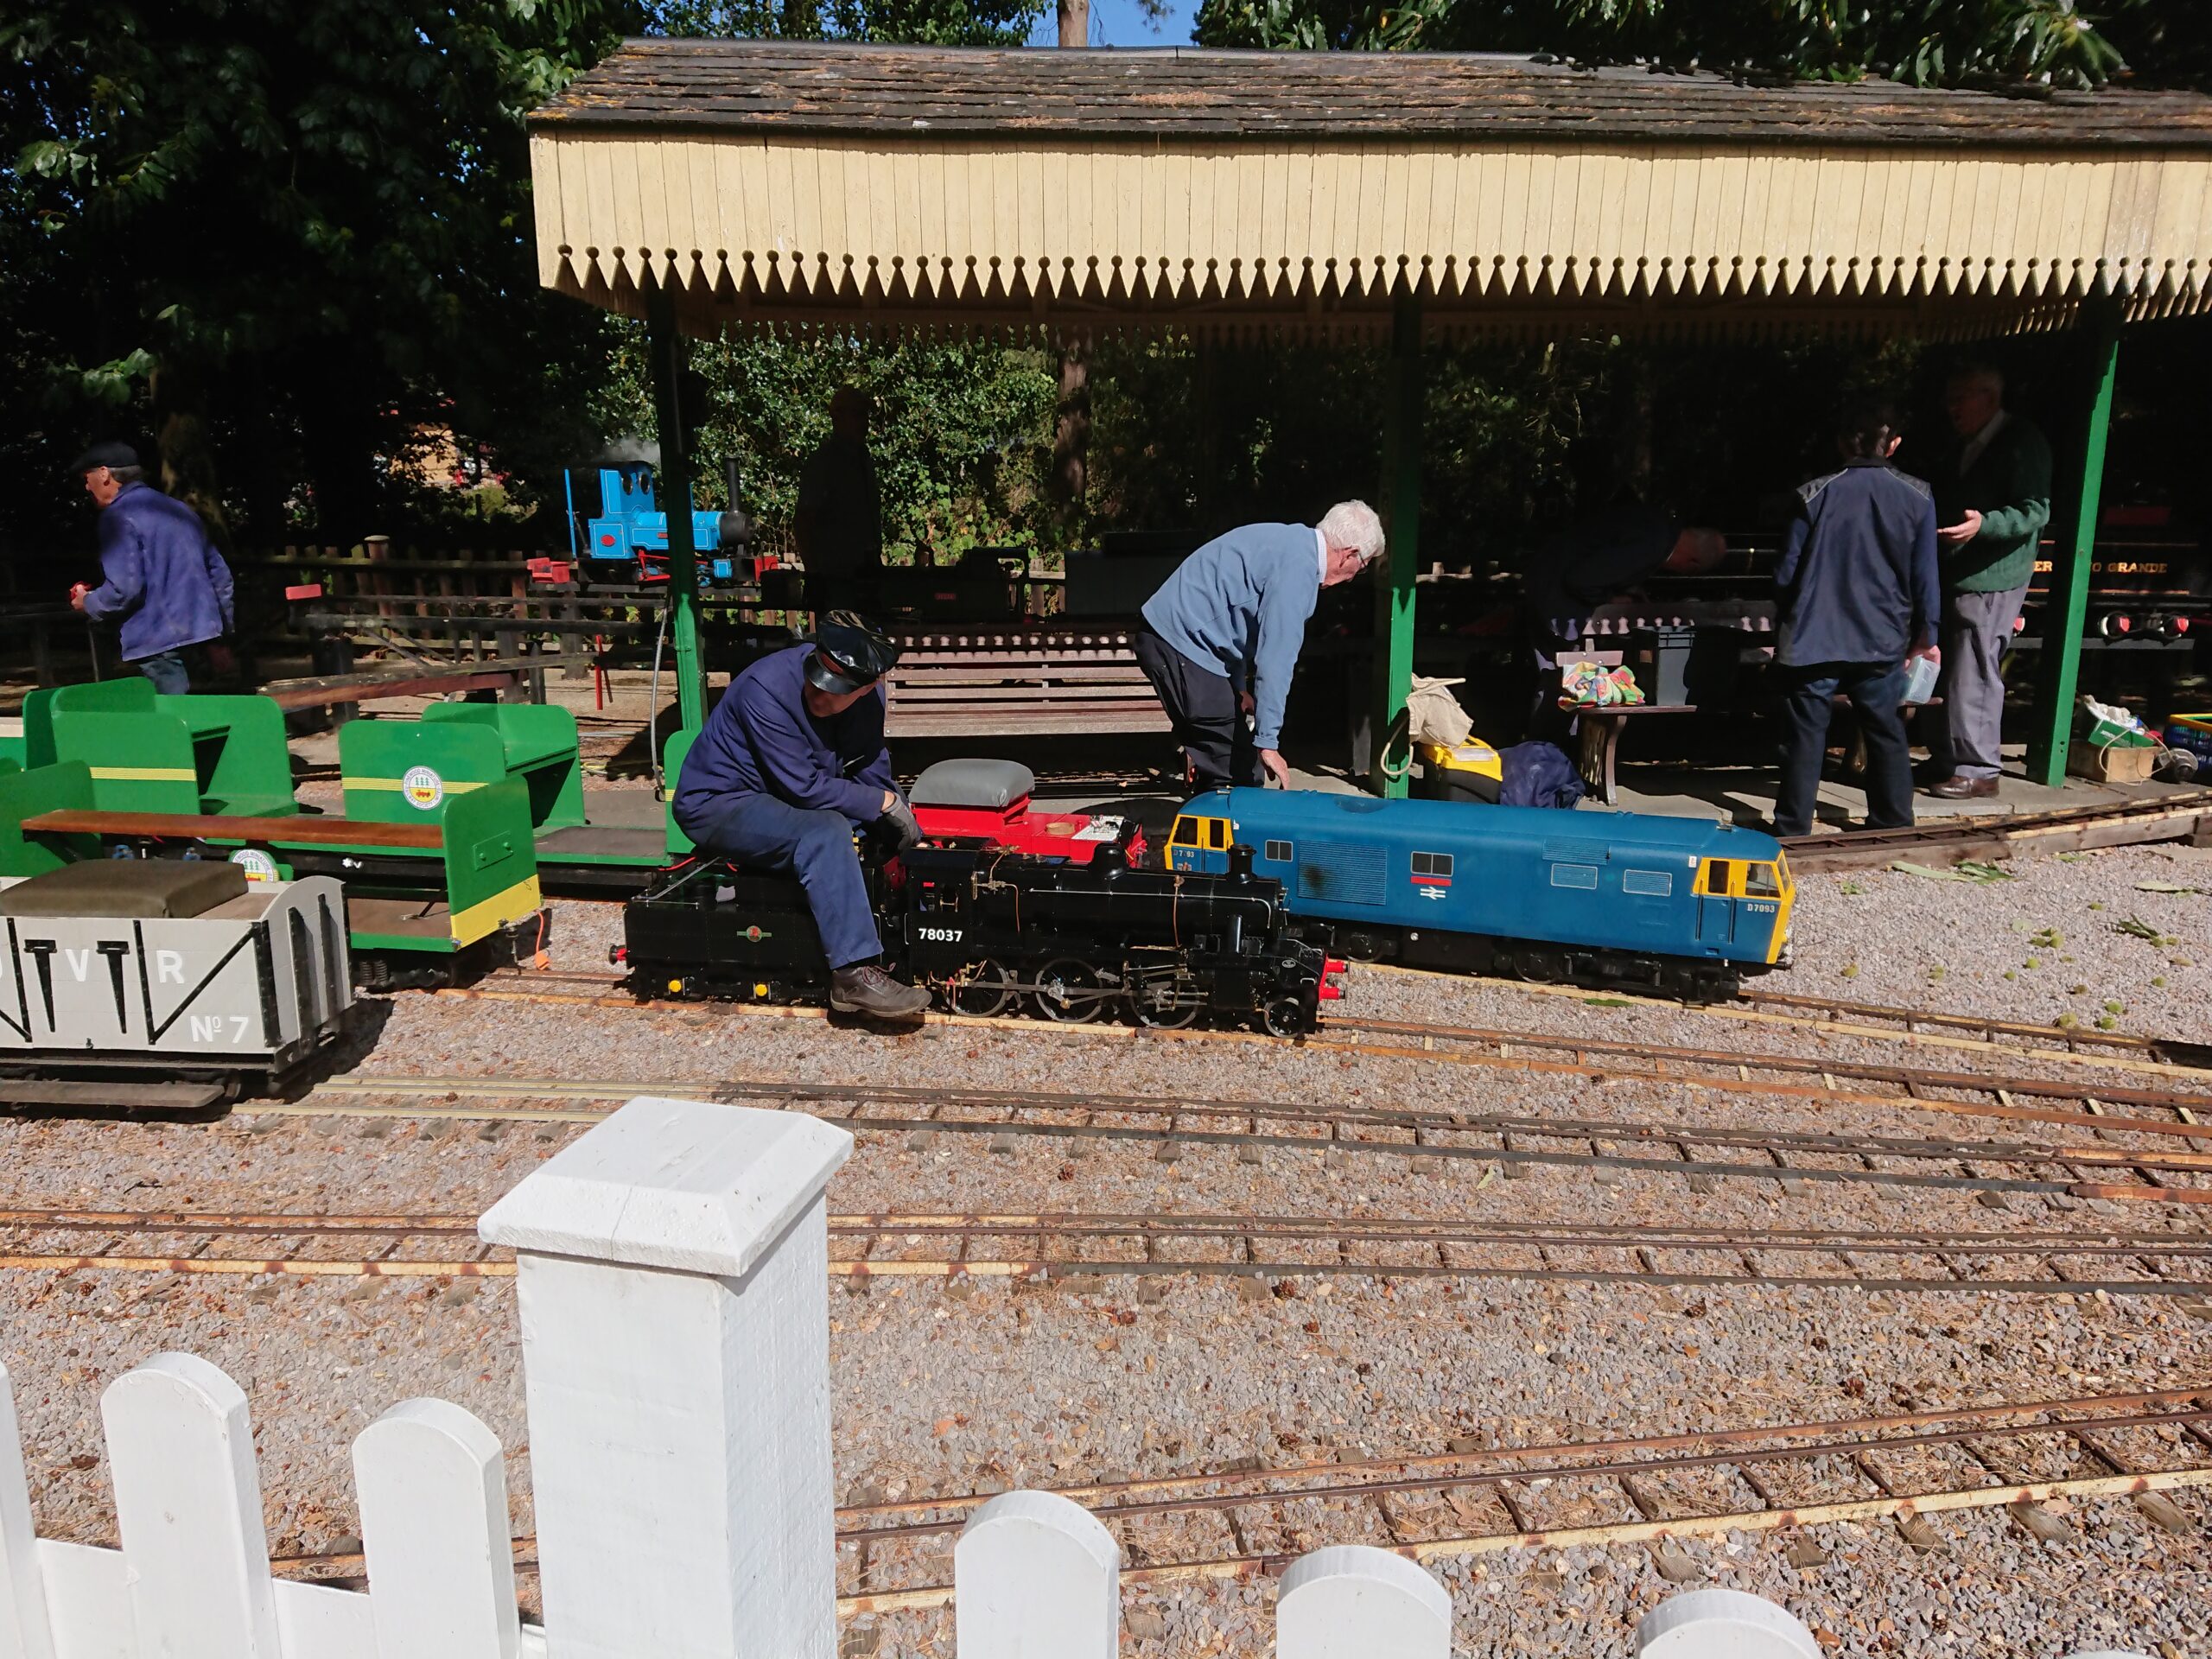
column 1722, row 1625
column 674, row 1291
column 1353, row 1602
column 1035, row 1576
column 25, row 1631
column 432, row 1492
column 188, row 1506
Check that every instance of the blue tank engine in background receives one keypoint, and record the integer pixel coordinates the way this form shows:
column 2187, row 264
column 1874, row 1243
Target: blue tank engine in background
column 1683, row 905
column 626, row 540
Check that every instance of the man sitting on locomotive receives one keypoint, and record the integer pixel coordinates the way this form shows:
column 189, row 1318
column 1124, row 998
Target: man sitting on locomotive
column 792, row 759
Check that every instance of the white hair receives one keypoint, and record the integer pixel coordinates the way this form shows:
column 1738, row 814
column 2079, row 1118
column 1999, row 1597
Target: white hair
column 1352, row 526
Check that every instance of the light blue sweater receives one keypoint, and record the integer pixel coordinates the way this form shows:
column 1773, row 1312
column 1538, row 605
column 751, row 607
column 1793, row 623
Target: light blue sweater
column 1238, row 608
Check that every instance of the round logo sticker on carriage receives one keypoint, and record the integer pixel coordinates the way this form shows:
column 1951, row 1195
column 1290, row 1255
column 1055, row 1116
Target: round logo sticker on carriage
column 422, row 788
column 257, row 864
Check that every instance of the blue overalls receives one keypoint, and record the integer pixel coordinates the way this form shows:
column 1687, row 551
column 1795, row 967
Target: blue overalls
column 769, row 786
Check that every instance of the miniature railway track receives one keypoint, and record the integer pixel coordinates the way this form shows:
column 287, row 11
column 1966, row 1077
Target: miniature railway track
column 1919, row 1028
column 1644, row 1491
column 1090, row 1247
column 2171, row 816
column 1824, row 1011
column 1511, row 1140
column 2096, row 1106
column 1248, row 1523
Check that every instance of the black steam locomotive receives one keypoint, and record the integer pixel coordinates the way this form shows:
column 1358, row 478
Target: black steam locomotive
column 991, row 931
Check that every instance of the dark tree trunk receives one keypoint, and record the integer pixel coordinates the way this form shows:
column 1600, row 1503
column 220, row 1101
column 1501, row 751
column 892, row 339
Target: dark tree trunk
column 338, row 431
column 187, row 461
column 1071, row 428
column 1071, row 435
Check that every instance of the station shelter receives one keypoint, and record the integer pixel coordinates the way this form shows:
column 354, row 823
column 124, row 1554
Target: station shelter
column 705, row 186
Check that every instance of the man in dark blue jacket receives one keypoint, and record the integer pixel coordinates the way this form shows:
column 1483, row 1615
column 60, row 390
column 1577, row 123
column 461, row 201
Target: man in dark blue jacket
column 164, row 579
column 791, row 761
column 1859, row 599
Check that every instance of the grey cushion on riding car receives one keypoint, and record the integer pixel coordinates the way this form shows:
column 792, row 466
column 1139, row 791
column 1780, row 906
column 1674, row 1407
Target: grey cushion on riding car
column 990, row 786
column 144, row 888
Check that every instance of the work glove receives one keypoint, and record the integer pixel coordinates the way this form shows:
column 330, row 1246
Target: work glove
column 900, row 821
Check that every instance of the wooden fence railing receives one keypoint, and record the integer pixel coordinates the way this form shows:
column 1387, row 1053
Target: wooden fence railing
column 673, row 1308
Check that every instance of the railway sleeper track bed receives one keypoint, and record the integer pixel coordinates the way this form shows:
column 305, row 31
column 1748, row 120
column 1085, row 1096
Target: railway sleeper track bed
column 2039, row 1461
column 1431, row 1137
column 2099, row 1105
column 1880, row 1022
column 2176, row 816
column 1827, row 1016
column 1085, row 1249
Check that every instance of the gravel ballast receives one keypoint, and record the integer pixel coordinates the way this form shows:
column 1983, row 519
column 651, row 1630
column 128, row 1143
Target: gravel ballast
column 971, row 1387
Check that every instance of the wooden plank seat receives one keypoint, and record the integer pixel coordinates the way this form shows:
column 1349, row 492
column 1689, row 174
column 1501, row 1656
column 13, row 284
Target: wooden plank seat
column 300, row 831
column 409, row 680
column 1020, row 682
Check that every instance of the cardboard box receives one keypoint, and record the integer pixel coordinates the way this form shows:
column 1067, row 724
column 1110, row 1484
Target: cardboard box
column 2116, row 765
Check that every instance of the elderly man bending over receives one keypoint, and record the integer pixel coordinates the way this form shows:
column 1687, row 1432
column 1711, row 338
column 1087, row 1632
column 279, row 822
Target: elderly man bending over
column 1220, row 638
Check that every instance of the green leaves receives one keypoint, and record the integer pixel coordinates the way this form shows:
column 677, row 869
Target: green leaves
column 1924, row 42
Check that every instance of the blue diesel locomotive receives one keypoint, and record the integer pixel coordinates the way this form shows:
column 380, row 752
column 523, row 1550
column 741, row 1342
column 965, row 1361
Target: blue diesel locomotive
column 1681, row 906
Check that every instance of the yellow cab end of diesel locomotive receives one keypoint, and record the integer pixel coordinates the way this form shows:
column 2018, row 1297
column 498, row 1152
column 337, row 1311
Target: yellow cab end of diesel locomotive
column 1777, row 948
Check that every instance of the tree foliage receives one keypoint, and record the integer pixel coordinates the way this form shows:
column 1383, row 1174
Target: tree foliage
column 1926, row 42
column 961, row 436
column 288, row 234
column 910, row 23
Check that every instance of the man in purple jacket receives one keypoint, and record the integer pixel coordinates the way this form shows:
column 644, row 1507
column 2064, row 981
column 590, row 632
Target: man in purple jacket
column 166, row 584
column 788, row 765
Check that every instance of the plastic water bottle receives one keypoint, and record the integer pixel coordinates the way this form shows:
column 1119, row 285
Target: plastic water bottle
column 1920, row 679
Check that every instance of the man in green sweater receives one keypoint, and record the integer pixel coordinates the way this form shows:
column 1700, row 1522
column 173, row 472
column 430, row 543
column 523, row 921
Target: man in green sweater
column 1993, row 498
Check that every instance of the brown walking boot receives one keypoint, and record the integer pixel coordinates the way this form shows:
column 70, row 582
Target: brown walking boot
column 867, row 989
column 1964, row 789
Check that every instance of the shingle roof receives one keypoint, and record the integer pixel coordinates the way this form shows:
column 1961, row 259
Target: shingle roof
column 763, row 87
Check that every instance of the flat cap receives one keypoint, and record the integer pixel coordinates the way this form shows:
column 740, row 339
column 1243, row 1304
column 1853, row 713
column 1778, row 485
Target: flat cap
column 105, row 454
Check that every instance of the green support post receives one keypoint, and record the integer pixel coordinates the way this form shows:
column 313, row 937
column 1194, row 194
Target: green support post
column 2067, row 606
column 1394, row 589
column 670, row 353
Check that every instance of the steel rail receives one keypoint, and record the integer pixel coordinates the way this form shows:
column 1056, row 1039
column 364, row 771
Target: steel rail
column 1727, row 1071
column 1649, row 1465
column 1075, row 1116
column 1614, row 1471
column 2112, row 1051
column 1356, row 1228
column 2159, row 818
column 871, row 1233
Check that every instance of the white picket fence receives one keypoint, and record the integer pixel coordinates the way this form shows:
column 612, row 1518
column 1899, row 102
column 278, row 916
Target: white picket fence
column 675, row 1327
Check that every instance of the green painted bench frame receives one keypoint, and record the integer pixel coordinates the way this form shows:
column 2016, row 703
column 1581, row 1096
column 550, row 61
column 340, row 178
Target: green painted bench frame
column 148, row 752
column 469, row 747
column 486, row 855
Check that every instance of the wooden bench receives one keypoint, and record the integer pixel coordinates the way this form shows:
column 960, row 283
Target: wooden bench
column 303, row 831
column 481, row 873
column 1600, row 728
column 1019, row 683
column 342, row 693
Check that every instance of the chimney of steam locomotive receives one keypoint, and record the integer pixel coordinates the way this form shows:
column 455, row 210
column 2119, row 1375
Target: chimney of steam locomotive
column 1240, row 862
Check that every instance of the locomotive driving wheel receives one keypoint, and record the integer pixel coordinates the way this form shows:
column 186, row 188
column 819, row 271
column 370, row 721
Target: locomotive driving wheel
column 984, row 989
column 1169, row 1002
column 1070, row 992
column 1540, row 964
